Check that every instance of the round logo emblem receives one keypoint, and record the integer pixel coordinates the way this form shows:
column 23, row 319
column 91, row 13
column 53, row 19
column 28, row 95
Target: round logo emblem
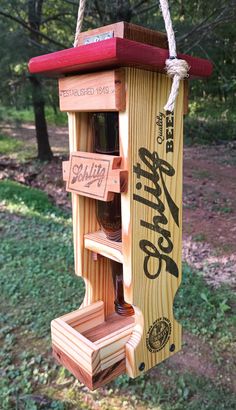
column 158, row 334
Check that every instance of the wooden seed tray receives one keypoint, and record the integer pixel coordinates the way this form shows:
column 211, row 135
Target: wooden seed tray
column 90, row 346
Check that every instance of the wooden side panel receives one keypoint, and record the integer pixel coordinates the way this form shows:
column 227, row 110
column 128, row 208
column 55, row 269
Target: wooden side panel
column 144, row 35
column 104, row 91
column 73, row 344
column 126, row 30
column 151, row 216
column 84, row 319
column 97, row 274
column 91, row 381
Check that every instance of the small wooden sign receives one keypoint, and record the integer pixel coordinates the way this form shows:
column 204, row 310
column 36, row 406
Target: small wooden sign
column 104, row 91
column 94, row 175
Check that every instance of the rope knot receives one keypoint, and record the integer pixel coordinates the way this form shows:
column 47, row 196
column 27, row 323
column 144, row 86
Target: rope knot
column 178, row 70
column 178, row 67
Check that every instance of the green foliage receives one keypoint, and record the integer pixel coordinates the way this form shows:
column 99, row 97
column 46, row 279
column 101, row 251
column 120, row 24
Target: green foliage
column 56, row 118
column 208, row 131
column 9, row 145
column 18, row 116
column 187, row 391
column 25, row 200
column 205, row 311
column 16, row 149
column 10, row 114
column 210, row 121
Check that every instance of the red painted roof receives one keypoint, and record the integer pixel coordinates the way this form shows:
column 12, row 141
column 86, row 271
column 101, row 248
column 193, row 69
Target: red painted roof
column 115, row 52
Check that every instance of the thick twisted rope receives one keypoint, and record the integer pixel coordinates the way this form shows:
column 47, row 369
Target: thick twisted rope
column 80, row 19
column 176, row 68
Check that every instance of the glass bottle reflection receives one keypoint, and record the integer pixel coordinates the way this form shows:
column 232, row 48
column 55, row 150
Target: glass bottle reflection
column 121, row 307
column 106, row 141
column 106, row 136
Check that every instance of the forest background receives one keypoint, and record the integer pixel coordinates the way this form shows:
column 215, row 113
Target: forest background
column 34, row 27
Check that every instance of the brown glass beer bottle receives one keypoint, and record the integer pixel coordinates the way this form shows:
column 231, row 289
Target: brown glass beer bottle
column 106, row 136
column 106, row 141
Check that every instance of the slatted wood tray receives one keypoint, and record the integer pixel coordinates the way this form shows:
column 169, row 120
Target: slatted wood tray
column 90, row 346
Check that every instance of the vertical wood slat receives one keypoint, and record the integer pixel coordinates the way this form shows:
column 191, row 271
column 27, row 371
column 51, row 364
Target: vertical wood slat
column 147, row 94
column 97, row 274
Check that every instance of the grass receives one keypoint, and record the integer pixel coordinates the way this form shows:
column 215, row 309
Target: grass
column 180, row 392
column 38, row 284
column 205, row 312
column 27, row 201
column 201, row 237
column 9, row 145
column 10, row 114
column 201, row 174
column 15, row 149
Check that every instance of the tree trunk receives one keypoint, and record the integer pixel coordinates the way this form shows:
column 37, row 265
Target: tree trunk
column 44, row 150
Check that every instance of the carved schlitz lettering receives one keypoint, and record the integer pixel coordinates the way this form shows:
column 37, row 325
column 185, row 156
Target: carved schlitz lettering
column 89, row 174
column 160, row 251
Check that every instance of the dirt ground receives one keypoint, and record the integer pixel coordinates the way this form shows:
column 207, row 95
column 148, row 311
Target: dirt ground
column 209, row 212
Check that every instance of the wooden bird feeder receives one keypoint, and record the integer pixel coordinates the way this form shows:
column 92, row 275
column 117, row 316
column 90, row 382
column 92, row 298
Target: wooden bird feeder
column 120, row 69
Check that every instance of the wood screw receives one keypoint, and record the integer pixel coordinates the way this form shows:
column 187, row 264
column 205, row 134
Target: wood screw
column 172, row 348
column 141, row 366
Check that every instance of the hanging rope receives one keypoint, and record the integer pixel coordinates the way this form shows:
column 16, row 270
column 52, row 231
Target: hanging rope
column 80, row 19
column 176, row 68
